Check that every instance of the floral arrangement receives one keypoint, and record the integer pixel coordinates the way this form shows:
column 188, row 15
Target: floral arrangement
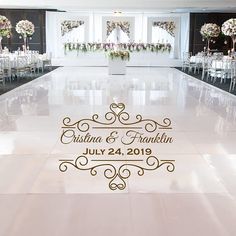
column 25, row 28
column 68, row 25
column 168, row 26
column 131, row 47
column 229, row 27
column 210, row 30
column 123, row 55
column 5, row 27
column 125, row 26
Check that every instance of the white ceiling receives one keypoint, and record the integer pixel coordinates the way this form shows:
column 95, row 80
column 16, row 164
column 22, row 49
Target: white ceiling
column 154, row 5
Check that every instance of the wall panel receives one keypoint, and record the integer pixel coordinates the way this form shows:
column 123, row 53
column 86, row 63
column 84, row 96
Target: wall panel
column 197, row 20
column 37, row 16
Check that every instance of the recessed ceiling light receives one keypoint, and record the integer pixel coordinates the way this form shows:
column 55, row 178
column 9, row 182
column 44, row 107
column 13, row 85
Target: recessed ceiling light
column 118, row 12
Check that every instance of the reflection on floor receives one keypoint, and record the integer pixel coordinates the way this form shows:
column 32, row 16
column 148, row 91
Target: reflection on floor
column 198, row 198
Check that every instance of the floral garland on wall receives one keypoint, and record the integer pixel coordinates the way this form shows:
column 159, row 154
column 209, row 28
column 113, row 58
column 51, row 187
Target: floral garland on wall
column 124, row 25
column 168, row 26
column 68, row 25
column 131, row 47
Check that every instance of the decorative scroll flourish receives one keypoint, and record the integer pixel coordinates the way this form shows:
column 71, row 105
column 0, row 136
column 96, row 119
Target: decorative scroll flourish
column 168, row 26
column 116, row 175
column 117, row 116
column 124, row 25
column 68, row 25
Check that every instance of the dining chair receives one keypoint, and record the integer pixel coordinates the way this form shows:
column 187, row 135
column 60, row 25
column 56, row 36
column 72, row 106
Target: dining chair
column 33, row 60
column 22, row 66
column 220, row 70
column 206, row 66
column 233, row 76
column 186, row 61
column 47, row 62
column 5, row 66
column 2, row 78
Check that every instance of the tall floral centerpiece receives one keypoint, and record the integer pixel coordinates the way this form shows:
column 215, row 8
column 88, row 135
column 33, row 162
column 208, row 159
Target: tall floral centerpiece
column 5, row 29
column 26, row 29
column 229, row 29
column 209, row 31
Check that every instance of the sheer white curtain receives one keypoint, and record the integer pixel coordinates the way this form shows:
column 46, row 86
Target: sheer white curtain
column 185, row 22
column 118, row 36
column 160, row 35
column 75, row 35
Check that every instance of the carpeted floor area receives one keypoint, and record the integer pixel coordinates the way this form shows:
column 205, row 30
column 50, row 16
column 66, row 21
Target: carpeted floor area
column 223, row 86
column 18, row 82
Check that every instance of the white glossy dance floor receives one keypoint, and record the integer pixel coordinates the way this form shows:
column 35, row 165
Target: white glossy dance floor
column 197, row 199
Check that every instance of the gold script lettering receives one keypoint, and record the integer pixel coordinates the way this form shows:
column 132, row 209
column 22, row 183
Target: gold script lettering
column 132, row 136
column 69, row 136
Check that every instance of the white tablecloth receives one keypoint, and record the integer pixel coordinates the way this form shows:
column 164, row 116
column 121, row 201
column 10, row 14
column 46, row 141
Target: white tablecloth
column 196, row 59
column 13, row 58
column 223, row 64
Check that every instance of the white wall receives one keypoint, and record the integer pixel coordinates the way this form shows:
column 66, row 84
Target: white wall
column 94, row 21
column 54, row 42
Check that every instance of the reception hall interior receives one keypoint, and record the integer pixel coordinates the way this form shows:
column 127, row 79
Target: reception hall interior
column 118, row 118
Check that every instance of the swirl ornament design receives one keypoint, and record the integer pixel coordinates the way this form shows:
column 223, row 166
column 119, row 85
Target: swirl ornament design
column 115, row 170
column 116, row 175
column 117, row 116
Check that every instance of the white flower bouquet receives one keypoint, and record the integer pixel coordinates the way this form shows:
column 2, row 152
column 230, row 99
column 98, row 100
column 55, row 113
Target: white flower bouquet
column 210, row 30
column 5, row 27
column 25, row 28
column 123, row 55
column 229, row 27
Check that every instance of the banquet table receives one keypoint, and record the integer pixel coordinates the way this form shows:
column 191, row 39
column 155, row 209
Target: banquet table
column 221, row 64
column 196, row 59
column 40, row 59
column 200, row 59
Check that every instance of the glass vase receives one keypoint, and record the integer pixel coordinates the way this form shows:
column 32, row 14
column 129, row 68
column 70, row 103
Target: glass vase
column 208, row 45
column 234, row 42
column 25, row 44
